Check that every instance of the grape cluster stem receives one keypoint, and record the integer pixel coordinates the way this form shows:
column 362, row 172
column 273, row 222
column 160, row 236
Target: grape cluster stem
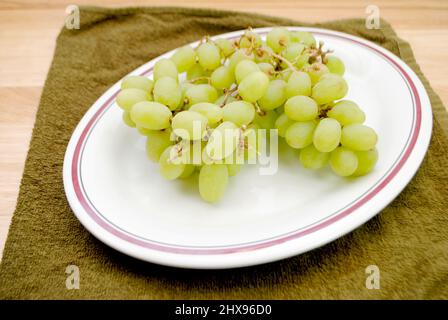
column 228, row 93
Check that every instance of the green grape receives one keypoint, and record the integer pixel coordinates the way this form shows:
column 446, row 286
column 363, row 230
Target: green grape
column 282, row 124
column 156, row 142
column 329, row 88
column 188, row 171
column 184, row 86
column 327, row 135
column 237, row 57
column 165, row 68
column 222, row 141
column 299, row 84
column 253, row 86
column 335, row 65
column 316, row 71
column 253, row 126
column 267, row 68
column 247, row 39
column 169, row 168
column 280, row 110
column 127, row 119
column 234, row 169
column 278, row 38
column 303, row 37
column 302, row 61
column 301, row 108
column 213, row 179
column 244, row 68
column 137, row 82
column 211, row 111
column 306, row 66
column 222, row 78
column 346, row 112
column 274, row 97
column 144, row 131
column 358, row 137
column 292, row 53
column 195, row 72
column 225, row 46
column 221, row 99
column 311, row 158
column 366, row 162
column 250, row 39
column 128, row 97
column 205, row 158
column 266, row 120
column 295, row 36
column 151, row 115
column 168, row 92
column 343, row 161
column 239, row 112
column 200, row 93
column 196, row 152
column 209, row 56
column 285, row 74
column 263, row 54
column 184, row 58
column 189, row 125
column 300, row 134
column 228, row 160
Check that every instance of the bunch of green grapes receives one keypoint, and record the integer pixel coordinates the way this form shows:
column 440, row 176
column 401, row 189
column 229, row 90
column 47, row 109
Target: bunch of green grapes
column 208, row 123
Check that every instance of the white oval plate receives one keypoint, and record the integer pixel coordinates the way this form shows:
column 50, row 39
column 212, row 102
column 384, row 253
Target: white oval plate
column 119, row 196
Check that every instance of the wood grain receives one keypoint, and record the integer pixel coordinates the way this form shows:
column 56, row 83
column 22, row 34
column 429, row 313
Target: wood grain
column 28, row 30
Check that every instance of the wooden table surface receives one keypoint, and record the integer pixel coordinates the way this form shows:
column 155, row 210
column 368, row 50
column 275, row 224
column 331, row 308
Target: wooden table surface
column 28, row 31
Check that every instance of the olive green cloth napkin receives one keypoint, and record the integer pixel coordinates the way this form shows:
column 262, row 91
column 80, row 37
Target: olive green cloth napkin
column 408, row 241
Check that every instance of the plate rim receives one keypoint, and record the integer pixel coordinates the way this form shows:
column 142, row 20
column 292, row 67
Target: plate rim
column 240, row 256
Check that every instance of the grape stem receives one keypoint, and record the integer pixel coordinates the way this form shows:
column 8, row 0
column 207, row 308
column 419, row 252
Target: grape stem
column 282, row 59
column 208, row 133
column 199, row 79
column 178, row 151
column 241, row 139
column 323, row 110
column 252, row 43
column 204, row 39
column 243, row 143
column 258, row 109
column 317, row 54
column 228, row 93
column 281, row 72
